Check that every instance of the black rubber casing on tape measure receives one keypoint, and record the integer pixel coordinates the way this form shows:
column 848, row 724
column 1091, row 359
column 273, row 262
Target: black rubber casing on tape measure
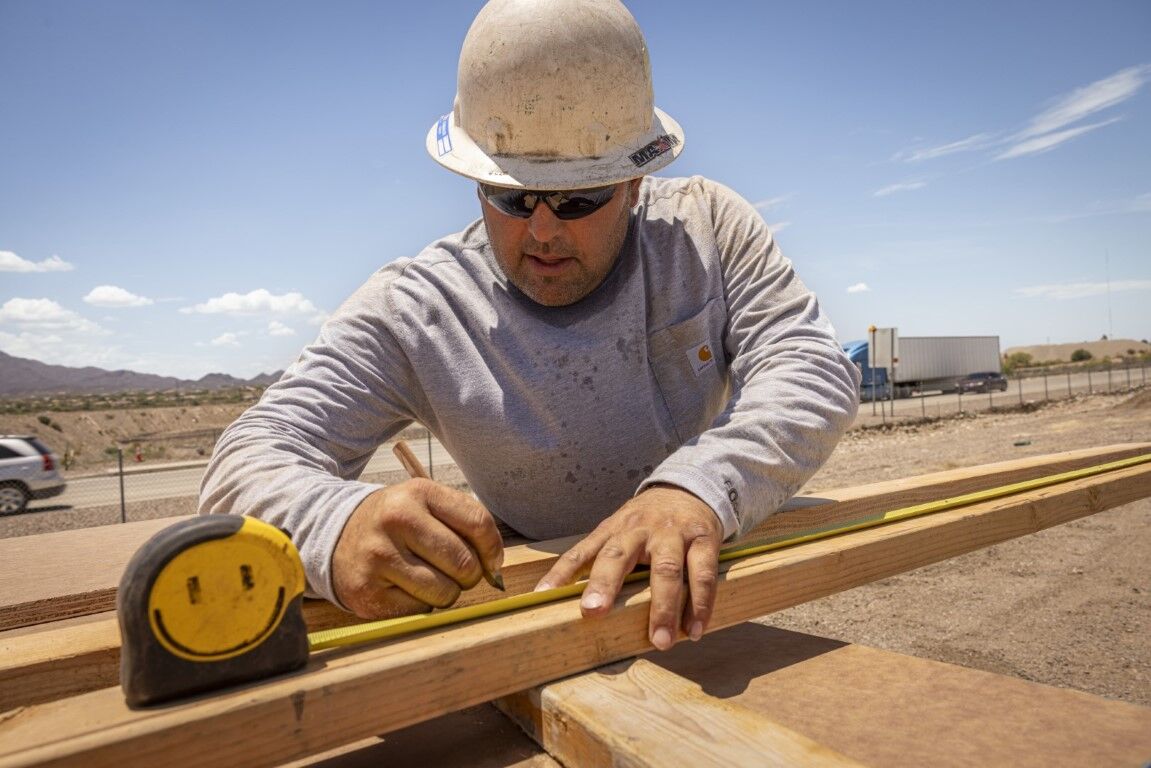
column 210, row 602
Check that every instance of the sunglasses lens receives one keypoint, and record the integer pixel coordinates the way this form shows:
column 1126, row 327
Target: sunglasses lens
column 581, row 202
column 512, row 202
column 567, row 205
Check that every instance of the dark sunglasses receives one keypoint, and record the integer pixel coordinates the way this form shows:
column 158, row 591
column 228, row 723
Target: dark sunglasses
column 567, row 204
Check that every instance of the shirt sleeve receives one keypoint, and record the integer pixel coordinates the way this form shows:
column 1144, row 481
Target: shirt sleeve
column 292, row 459
column 793, row 390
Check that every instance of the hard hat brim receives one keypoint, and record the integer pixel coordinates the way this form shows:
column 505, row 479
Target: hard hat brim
column 451, row 146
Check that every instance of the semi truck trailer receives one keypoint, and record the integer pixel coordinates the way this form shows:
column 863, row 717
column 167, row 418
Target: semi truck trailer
column 921, row 364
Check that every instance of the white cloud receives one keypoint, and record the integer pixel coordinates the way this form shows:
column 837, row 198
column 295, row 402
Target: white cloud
column 771, row 202
column 225, row 340
column 257, row 302
column 10, row 262
column 1137, row 204
column 779, row 226
column 1081, row 290
column 113, row 296
column 906, row 186
column 1088, row 100
column 44, row 315
column 858, row 288
column 276, row 328
column 1049, row 128
column 1049, row 141
column 56, row 349
column 978, row 141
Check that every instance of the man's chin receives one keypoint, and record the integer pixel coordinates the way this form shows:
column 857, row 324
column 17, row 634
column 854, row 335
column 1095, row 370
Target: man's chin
column 551, row 292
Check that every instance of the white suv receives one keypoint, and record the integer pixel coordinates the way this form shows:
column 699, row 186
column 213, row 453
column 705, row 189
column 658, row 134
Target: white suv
column 27, row 471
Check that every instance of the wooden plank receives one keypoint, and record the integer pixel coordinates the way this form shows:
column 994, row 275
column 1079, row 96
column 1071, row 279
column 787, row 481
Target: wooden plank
column 51, row 576
column 477, row 737
column 642, row 716
column 88, row 657
column 35, row 589
column 343, row 696
column 890, row 709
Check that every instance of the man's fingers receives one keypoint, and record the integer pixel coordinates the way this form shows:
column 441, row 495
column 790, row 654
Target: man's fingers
column 614, row 561
column 574, row 563
column 666, row 557
column 702, row 579
column 388, row 603
column 411, row 546
column 443, row 549
column 419, row 579
column 462, row 513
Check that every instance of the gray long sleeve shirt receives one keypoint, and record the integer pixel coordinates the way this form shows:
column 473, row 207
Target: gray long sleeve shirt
column 701, row 361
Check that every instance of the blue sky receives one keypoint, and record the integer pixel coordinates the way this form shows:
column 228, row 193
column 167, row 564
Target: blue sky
column 189, row 187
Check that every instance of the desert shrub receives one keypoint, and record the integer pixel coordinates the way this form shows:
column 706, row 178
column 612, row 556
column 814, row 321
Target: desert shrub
column 1016, row 360
column 1080, row 355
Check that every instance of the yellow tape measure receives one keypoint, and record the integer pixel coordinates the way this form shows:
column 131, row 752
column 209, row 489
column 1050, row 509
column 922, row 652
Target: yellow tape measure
column 390, row 628
column 209, row 602
column 217, row 600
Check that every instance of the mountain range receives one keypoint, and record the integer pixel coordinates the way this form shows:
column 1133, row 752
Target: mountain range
column 21, row 376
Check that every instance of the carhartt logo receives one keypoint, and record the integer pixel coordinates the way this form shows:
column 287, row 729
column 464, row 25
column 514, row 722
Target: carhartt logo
column 701, row 358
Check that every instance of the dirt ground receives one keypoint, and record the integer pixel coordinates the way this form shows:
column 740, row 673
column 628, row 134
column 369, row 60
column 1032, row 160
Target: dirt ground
column 1070, row 606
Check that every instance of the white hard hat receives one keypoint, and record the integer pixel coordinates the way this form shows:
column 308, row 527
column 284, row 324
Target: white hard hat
column 554, row 94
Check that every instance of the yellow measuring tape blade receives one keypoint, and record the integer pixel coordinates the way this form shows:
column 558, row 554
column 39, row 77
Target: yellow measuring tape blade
column 389, row 628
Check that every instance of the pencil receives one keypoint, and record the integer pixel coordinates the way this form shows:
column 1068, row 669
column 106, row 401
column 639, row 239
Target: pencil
column 415, row 469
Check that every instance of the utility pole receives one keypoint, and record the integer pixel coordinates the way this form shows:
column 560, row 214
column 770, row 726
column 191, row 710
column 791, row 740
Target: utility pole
column 1107, row 273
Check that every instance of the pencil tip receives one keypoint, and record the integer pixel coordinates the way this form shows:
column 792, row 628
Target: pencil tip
column 497, row 581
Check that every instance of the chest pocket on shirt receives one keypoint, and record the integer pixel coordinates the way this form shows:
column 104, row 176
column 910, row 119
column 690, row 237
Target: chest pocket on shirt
column 690, row 369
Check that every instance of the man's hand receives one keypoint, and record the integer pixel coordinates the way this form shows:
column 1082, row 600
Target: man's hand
column 667, row 528
column 412, row 546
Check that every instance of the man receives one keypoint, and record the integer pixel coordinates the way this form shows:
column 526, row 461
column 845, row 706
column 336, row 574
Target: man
column 603, row 351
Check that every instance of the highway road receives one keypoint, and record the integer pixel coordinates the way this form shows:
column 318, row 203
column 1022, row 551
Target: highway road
column 181, row 480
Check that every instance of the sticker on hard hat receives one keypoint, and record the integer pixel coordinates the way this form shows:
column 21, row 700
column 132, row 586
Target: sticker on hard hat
column 443, row 136
column 653, row 150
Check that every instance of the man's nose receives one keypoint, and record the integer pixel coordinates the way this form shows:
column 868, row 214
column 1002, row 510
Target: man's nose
column 543, row 224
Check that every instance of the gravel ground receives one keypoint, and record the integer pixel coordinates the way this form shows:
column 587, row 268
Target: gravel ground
column 1070, row 606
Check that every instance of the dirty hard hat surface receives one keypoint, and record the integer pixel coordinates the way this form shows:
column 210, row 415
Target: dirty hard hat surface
column 554, row 94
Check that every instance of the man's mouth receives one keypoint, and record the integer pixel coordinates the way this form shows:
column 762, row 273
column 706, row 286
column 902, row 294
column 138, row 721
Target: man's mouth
column 547, row 264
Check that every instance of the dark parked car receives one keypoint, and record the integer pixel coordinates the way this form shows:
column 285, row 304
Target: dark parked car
column 28, row 470
column 984, row 381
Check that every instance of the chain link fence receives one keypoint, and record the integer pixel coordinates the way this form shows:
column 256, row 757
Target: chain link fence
column 1026, row 388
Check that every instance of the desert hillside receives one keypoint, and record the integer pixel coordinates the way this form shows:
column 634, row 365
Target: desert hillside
column 1099, row 350
column 90, row 438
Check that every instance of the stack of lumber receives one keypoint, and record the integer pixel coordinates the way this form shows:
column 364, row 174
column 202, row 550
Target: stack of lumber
column 749, row 694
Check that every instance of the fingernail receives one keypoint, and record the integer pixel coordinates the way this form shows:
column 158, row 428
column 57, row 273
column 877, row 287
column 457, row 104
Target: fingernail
column 661, row 639
column 696, row 631
column 543, row 586
column 591, row 601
